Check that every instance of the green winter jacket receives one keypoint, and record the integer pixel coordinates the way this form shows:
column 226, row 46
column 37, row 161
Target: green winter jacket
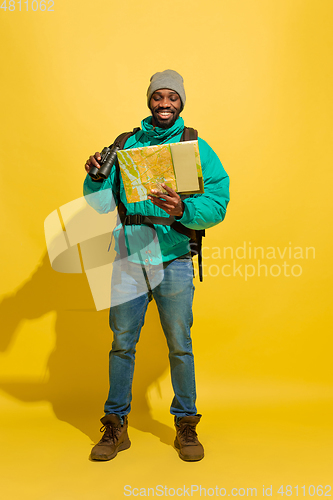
column 202, row 211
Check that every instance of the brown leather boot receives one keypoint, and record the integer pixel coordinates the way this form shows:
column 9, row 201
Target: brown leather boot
column 115, row 438
column 190, row 449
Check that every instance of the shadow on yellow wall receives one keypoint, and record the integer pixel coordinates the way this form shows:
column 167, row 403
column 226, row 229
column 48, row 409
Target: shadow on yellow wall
column 78, row 366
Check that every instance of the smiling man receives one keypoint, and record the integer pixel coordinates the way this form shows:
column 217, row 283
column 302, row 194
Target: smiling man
column 174, row 292
column 165, row 106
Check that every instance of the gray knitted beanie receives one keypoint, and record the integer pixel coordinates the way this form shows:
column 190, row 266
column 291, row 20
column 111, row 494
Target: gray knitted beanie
column 167, row 79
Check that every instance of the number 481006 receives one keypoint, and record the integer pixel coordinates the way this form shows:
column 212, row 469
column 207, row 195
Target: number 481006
column 34, row 5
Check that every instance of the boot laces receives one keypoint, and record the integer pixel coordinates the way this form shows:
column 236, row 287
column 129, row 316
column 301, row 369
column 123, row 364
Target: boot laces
column 188, row 433
column 110, row 432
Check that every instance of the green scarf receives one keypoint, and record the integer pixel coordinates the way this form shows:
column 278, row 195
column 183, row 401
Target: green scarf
column 161, row 134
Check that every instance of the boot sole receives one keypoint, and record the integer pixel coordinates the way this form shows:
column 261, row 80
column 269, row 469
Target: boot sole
column 123, row 446
column 187, row 458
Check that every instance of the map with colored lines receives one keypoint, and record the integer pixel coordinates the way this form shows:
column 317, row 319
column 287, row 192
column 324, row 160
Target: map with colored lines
column 146, row 168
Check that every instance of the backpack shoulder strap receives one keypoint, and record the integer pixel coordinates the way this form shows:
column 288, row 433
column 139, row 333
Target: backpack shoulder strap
column 120, row 142
column 122, row 138
column 189, row 134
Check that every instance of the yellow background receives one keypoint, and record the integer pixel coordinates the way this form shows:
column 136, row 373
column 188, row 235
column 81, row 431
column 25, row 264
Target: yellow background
column 258, row 79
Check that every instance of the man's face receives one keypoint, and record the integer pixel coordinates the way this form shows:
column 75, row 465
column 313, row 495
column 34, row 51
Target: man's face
column 165, row 106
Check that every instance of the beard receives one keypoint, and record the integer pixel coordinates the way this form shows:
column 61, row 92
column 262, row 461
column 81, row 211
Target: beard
column 164, row 123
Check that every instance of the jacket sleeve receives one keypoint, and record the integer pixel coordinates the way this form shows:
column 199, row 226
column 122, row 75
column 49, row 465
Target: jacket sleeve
column 208, row 209
column 101, row 195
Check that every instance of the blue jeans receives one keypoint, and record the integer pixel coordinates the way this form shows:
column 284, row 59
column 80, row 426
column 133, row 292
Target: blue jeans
column 174, row 297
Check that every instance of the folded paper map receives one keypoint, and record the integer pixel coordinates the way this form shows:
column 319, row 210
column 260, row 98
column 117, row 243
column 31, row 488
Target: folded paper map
column 177, row 165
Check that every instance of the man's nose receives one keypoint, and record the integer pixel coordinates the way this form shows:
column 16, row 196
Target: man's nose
column 165, row 103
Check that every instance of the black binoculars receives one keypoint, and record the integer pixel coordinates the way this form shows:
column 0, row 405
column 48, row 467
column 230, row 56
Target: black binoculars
column 108, row 159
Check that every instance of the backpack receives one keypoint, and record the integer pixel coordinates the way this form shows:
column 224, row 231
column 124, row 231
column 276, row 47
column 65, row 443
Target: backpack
column 189, row 134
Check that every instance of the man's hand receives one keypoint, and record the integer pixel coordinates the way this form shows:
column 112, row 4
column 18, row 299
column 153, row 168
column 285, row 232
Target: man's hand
column 170, row 201
column 92, row 162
